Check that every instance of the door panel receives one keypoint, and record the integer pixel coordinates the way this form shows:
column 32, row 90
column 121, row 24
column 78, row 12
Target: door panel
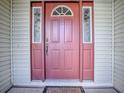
column 55, row 32
column 62, row 32
column 37, row 59
column 88, row 62
column 68, row 31
column 55, row 59
column 68, row 54
column 87, row 58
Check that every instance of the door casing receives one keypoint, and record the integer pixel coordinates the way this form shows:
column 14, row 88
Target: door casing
column 80, row 31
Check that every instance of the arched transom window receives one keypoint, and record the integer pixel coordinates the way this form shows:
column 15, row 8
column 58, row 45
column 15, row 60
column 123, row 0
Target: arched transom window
column 62, row 10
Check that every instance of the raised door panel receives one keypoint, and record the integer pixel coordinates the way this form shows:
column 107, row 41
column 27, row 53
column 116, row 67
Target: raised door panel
column 68, row 61
column 88, row 64
column 37, row 57
column 68, row 31
column 55, row 57
column 55, row 31
column 37, row 74
column 87, row 59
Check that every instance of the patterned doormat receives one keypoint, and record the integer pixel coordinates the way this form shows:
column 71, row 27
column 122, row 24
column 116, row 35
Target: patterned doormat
column 63, row 89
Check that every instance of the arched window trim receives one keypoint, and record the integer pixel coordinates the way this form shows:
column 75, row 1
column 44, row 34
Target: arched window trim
column 69, row 9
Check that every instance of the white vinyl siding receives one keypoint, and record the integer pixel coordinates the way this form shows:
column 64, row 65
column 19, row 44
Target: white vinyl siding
column 103, row 41
column 5, row 64
column 21, row 42
column 119, row 45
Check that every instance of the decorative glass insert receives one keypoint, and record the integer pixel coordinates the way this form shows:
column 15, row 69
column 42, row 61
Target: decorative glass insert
column 87, row 25
column 36, row 24
column 62, row 10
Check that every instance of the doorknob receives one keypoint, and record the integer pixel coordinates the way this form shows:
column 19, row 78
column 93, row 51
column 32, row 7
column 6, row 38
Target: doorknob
column 46, row 46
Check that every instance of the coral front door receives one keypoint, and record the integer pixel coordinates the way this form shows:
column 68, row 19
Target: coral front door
column 62, row 40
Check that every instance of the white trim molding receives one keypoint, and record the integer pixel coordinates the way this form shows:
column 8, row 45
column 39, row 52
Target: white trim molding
column 39, row 83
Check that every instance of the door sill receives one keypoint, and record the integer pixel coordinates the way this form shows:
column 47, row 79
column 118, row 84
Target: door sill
column 62, row 82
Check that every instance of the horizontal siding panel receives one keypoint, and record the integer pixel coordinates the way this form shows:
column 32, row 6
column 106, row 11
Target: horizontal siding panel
column 4, row 54
column 5, row 4
column 103, row 5
column 4, row 30
column 5, row 66
column 119, row 45
column 103, row 17
column 103, row 49
column 3, row 59
column 21, row 41
column 20, row 10
column 120, row 49
column 4, row 37
column 5, row 77
column 108, row 9
column 20, row 2
column 103, row 24
column 118, row 36
column 104, row 36
column 119, row 31
column 5, row 86
column 103, row 21
column 20, row 17
column 4, row 19
column 103, row 12
column 103, row 52
column 2, row 13
column 3, row 22
column 4, row 72
column 4, row 63
column 102, row 56
column 103, row 1
column 4, row 9
column 102, row 45
column 119, row 67
column 103, row 41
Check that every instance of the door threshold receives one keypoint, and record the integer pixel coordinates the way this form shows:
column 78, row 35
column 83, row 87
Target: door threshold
column 61, row 82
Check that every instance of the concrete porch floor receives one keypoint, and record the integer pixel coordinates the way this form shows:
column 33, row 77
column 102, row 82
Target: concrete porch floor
column 40, row 90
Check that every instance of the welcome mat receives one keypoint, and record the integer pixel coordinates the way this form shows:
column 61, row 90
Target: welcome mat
column 63, row 89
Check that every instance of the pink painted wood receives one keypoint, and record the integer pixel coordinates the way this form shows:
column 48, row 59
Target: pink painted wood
column 88, row 52
column 80, row 45
column 62, row 61
column 37, row 53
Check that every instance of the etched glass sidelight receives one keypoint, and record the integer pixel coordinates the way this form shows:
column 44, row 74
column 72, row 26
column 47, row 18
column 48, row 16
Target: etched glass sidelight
column 36, row 25
column 87, row 25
